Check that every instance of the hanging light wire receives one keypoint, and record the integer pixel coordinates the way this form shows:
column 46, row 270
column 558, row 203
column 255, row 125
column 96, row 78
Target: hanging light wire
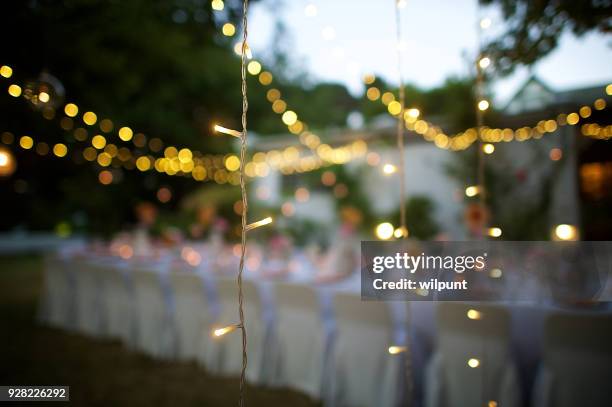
column 243, row 192
column 399, row 4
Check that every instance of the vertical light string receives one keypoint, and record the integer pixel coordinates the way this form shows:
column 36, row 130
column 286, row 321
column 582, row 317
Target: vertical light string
column 480, row 96
column 243, row 192
column 399, row 4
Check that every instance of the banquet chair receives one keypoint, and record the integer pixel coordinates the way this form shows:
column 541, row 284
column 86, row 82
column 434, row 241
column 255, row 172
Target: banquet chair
column 472, row 364
column 577, row 362
column 364, row 373
column 223, row 356
column 153, row 313
column 88, row 292
column 299, row 345
column 58, row 290
column 118, row 303
column 192, row 314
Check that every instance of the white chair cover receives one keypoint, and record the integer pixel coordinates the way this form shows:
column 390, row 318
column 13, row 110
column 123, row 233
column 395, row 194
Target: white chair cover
column 364, row 373
column 119, row 306
column 224, row 355
column 299, row 345
column 450, row 381
column 154, row 319
column 57, row 304
column 192, row 314
column 577, row 362
column 89, row 289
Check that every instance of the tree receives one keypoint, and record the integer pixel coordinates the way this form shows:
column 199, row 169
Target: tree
column 533, row 28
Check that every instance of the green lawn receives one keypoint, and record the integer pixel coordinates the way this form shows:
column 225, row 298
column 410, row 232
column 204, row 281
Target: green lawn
column 101, row 373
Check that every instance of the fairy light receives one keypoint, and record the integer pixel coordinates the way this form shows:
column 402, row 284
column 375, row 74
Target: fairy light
column 225, row 330
column 473, row 363
column 259, row 223
column 394, row 350
column 6, row 71
column 225, row 130
column 474, row 314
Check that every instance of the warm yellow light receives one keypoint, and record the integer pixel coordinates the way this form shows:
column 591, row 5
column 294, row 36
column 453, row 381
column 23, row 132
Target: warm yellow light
column 384, row 231
column 369, row 79
column 585, row 111
column 90, row 118
column 14, row 90
column 394, row 350
column 265, row 78
column 400, row 232
column 413, row 113
column 228, row 29
column 125, row 133
column 572, row 119
column 474, row 314
column 60, row 150
column 495, row 232
column 389, row 169
column 483, row 105
column 143, row 163
column 473, row 363
column 8, row 165
column 43, row 97
column 484, row 62
column 289, row 117
column 217, row 5
column 609, row 89
column 472, row 191
column 495, row 273
column 222, row 331
column 104, row 159
column 232, row 163
column 225, row 130
column 488, row 148
column 373, row 93
column 279, row 106
column 263, row 222
column 71, row 109
column 254, row 68
column 273, row 94
column 6, row 71
column 98, row 141
column 566, row 232
column 599, row 104
column 26, row 142
column 238, row 50
column 394, row 108
column 387, row 98
column 106, row 125
column 185, row 155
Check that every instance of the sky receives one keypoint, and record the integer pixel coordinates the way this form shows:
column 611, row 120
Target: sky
column 346, row 39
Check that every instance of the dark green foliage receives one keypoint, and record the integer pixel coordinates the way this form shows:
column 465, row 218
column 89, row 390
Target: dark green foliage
column 533, row 28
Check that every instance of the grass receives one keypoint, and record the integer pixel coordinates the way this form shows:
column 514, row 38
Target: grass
column 100, row 372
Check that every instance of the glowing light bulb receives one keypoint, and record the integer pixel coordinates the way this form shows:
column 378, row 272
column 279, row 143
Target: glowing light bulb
column 483, row 105
column 389, row 169
column 225, row 130
column 473, row 363
column 225, row 330
column 484, row 62
column 566, row 232
column 263, row 222
column 384, row 231
column 472, row 191
column 394, row 350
